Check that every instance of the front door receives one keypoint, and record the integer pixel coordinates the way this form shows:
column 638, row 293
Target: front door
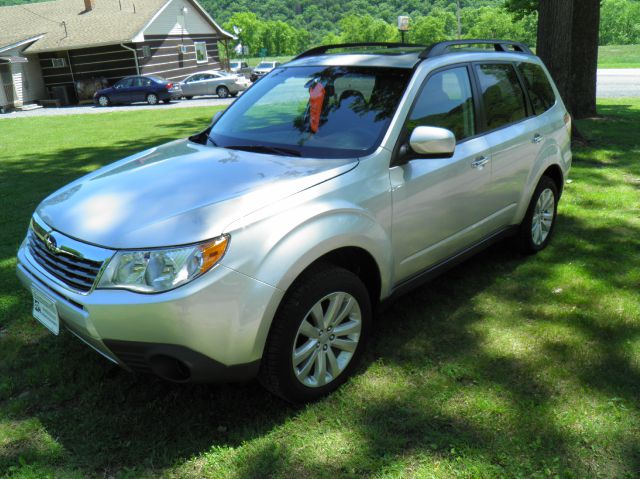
column 441, row 205
column 6, row 84
column 123, row 91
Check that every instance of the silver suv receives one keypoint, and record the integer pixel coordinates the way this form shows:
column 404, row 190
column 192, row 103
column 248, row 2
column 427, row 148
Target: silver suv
column 261, row 246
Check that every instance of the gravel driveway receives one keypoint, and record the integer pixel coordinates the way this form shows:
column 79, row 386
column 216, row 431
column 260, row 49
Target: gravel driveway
column 92, row 109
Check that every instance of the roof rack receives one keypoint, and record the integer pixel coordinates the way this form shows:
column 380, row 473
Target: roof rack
column 430, row 51
column 442, row 48
column 322, row 49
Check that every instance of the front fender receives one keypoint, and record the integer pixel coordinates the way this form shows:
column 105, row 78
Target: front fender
column 289, row 242
column 293, row 240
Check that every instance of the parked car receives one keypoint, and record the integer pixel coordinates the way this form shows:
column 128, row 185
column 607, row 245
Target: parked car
column 213, row 82
column 132, row 89
column 240, row 67
column 261, row 246
column 262, row 69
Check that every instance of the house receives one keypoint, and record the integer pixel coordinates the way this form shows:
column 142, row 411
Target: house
column 63, row 50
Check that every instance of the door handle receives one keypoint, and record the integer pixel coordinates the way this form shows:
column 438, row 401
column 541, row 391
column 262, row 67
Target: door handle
column 480, row 162
column 537, row 138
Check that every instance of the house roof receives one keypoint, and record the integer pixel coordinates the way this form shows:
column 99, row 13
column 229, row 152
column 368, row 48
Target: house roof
column 65, row 25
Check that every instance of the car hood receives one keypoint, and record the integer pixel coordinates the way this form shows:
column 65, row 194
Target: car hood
column 178, row 193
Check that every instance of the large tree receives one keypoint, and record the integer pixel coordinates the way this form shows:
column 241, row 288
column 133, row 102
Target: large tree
column 568, row 44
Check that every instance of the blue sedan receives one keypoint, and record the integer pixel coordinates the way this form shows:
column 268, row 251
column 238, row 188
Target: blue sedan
column 132, row 89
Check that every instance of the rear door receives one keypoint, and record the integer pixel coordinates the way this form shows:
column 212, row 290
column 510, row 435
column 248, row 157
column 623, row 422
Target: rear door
column 441, row 205
column 512, row 132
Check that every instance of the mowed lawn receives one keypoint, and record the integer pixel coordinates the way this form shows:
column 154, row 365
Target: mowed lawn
column 619, row 56
column 505, row 367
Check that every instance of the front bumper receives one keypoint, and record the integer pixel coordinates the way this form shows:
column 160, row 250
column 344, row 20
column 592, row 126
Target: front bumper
column 216, row 325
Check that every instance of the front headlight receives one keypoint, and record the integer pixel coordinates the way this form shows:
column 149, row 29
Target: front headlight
column 158, row 270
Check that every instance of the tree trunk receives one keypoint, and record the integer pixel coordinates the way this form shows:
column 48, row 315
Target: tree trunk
column 555, row 32
column 584, row 50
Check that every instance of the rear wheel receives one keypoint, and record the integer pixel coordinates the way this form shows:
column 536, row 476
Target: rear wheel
column 152, row 99
column 537, row 227
column 103, row 100
column 317, row 336
column 222, row 92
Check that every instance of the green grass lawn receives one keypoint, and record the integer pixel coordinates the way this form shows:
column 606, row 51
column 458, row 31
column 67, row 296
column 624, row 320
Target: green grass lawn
column 506, row 367
column 619, row 56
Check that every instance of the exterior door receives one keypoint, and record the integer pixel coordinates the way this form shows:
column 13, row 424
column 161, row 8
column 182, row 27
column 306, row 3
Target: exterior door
column 7, row 96
column 513, row 135
column 122, row 90
column 441, row 205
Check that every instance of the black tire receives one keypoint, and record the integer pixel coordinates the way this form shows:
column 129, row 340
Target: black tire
column 188, row 97
column 277, row 368
column 166, row 102
column 152, row 99
column 222, row 92
column 527, row 242
column 103, row 100
column 233, row 95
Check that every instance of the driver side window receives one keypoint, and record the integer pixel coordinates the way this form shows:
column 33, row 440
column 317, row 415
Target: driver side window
column 124, row 83
column 446, row 101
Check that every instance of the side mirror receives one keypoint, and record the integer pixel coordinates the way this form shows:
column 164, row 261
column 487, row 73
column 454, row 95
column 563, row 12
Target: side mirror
column 432, row 141
column 215, row 117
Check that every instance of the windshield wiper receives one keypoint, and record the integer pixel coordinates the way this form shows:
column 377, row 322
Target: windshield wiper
column 275, row 150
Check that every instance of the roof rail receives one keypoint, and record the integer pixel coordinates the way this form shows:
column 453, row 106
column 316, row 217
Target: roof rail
column 442, row 48
column 322, row 49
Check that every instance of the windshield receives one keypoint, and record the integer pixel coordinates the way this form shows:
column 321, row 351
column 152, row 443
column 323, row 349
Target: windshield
column 234, row 65
column 317, row 112
column 265, row 65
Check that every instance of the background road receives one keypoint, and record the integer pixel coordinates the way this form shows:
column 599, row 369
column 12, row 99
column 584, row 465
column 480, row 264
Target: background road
column 612, row 83
column 619, row 83
column 92, row 109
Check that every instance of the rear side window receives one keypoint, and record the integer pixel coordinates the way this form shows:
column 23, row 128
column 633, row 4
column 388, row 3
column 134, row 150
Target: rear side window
column 538, row 86
column 446, row 101
column 502, row 94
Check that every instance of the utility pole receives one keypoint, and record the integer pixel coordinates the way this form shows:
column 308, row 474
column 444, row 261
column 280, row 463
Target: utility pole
column 458, row 18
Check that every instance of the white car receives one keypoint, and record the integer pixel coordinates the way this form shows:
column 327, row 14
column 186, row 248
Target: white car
column 213, row 82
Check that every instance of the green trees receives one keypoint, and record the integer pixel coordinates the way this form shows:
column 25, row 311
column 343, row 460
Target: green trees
column 620, row 22
column 276, row 36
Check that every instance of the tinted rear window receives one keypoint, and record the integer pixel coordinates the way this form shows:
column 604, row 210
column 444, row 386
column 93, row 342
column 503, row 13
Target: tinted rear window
column 538, row 86
column 502, row 94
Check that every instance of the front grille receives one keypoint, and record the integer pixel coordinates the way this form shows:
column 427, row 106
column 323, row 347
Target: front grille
column 76, row 272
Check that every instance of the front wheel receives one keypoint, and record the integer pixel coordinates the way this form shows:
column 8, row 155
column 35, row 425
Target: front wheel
column 537, row 227
column 317, row 336
column 103, row 100
column 222, row 92
column 152, row 99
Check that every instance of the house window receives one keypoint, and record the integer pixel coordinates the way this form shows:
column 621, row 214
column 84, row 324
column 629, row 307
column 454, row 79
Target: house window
column 183, row 49
column 201, row 52
column 146, row 51
column 58, row 63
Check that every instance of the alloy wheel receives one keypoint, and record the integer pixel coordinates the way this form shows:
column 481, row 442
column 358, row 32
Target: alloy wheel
column 542, row 217
column 327, row 339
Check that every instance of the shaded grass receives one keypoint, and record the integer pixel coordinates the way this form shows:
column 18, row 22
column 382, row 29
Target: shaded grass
column 504, row 367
